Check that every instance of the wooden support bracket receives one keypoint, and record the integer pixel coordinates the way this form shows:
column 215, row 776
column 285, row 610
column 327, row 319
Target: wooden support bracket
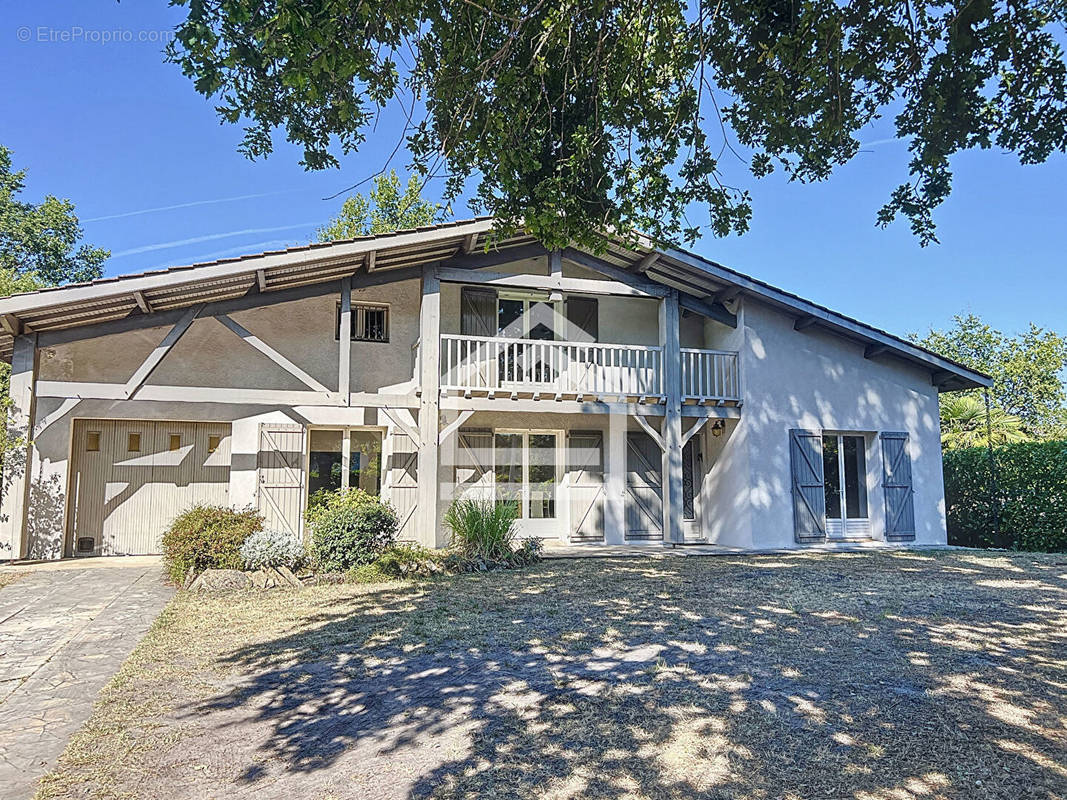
column 656, row 437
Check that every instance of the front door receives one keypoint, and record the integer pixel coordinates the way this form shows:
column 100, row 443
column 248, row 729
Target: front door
column 845, row 484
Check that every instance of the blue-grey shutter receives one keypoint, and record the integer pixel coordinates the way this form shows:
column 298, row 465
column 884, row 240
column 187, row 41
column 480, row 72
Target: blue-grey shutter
column 809, row 497
column 897, row 483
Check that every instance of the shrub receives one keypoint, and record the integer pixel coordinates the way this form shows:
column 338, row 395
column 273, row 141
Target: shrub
column 405, row 560
column 207, row 537
column 482, row 530
column 1030, row 490
column 350, row 528
column 529, row 552
column 273, row 549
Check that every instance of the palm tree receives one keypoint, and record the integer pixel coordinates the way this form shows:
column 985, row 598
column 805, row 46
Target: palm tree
column 963, row 424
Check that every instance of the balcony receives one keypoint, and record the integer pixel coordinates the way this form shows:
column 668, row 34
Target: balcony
column 491, row 366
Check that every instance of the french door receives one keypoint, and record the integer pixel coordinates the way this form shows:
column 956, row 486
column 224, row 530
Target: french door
column 535, row 318
column 844, row 459
column 526, row 469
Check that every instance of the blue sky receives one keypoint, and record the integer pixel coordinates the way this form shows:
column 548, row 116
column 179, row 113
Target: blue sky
column 157, row 179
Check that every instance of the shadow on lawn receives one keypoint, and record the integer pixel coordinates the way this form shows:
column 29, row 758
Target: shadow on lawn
column 901, row 676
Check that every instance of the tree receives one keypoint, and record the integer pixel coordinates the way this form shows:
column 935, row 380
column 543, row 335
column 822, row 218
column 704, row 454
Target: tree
column 37, row 249
column 1026, row 370
column 42, row 240
column 964, row 424
column 388, row 209
column 580, row 115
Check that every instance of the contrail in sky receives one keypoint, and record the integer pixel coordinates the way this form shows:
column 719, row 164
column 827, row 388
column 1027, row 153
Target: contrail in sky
column 191, row 204
column 148, row 248
column 245, row 249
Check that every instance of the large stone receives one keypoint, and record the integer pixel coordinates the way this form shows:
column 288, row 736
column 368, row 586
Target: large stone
column 221, row 580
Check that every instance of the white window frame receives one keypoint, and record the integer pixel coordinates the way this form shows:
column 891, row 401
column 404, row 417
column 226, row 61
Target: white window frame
column 845, row 527
column 346, row 454
column 526, row 298
column 524, row 494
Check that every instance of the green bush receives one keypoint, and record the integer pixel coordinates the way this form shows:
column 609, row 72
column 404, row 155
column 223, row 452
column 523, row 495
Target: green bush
column 1030, row 490
column 482, row 530
column 207, row 537
column 406, row 560
column 349, row 529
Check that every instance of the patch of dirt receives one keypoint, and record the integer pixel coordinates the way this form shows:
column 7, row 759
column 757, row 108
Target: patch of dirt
column 875, row 676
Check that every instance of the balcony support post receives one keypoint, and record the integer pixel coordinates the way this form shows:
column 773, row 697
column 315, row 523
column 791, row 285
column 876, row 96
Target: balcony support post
column 429, row 408
column 670, row 339
column 615, row 480
column 344, row 342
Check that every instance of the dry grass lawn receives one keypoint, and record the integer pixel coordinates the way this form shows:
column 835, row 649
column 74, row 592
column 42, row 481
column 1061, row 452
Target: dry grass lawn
column 891, row 676
column 8, row 577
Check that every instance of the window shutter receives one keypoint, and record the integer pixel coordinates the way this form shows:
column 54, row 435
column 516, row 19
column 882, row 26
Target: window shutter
column 474, row 464
column 809, row 498
column 477, row 312
column 583, row 319
column 897, row 483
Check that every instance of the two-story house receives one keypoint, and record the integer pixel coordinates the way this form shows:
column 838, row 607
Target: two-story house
column 633, row 396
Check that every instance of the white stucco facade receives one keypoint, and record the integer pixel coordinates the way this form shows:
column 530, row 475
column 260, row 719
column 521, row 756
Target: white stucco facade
column 621, row 472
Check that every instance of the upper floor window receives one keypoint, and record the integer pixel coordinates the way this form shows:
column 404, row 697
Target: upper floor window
column 528, row 315
column 370, row 322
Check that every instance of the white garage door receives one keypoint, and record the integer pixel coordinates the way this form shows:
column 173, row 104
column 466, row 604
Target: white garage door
column 130, row 479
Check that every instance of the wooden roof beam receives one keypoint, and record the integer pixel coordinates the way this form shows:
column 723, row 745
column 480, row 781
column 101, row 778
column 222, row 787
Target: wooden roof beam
column 642, row 266
column 876, row 350
column 727, row 295
column 11, row 324
column 142, row 302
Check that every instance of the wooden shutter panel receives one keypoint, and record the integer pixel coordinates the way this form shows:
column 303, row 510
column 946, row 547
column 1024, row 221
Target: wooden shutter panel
column 583, row 319
column 477, row 312
column 897, row 483
column 474, row 464
column 809, row 498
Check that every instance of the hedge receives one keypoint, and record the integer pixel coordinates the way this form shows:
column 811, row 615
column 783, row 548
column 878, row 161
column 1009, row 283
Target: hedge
column 1031, row 491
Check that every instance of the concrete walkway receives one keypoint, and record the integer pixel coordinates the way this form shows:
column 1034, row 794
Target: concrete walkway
column 65, row 630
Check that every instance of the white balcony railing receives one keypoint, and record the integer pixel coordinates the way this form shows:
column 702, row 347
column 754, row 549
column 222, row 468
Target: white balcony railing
column 480, row 363
column 710, row 375
column 490, row 364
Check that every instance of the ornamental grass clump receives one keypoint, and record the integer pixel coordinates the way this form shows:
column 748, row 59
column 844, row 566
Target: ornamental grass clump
column 272, row 549
column 350, row 528
column 207, row 537
column 483, row 530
